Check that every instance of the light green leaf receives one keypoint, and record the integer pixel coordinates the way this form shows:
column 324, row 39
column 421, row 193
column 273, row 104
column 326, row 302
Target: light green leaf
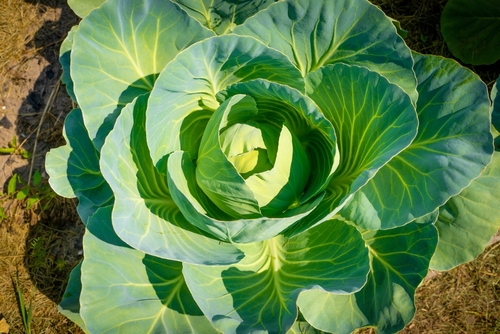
column 313, row 34
column 399, row 262
column 118, row 52
column 495, row 98
column 470, row 29
column 270, row 192
column 65, row 60
column 374, row 120
column 281, row 187
column 144, row 214
column 83, row 7
column 188, row 86
column 245, row 146
column 222, row 16
column 127, row 291
column 74, row 168
column 70, row 303
column 452, row 148
column 468, row 220
column 332, row 313
column 260, row 292
column 281, row 104
column 3, row 216
column 22, row 193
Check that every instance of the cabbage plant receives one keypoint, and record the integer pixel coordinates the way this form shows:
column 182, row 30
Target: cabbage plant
column 265, row 167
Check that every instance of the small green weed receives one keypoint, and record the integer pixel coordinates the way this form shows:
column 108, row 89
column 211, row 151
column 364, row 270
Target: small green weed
column 26, row 313
column 61, row 264
column 13, row 148
column 28, row 196
column 3, row 215
column 38, row 254
column 38, row 192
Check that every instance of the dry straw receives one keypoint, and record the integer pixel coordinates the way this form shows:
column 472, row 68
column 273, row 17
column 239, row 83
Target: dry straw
column 18, row 23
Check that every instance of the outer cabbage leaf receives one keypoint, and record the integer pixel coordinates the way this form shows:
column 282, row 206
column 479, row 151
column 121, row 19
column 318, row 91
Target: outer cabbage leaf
column 495, row 98
column 452, row 147
column 374, row 121
column 399, row 261
column 260, row 292
column 83, row 7
column 222, row 16
column 119, row 280
column 144, row 214
column 468, row 220
column 64, row 59
column 470, row 29
column 313, row 34
column 70, row 304
column 74, row 168
column 118, row 52
column 187, row 90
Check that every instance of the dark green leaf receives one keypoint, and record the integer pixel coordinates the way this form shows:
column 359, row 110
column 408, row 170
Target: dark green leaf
column 37, row 178
column 470, row 29
column 74, row 168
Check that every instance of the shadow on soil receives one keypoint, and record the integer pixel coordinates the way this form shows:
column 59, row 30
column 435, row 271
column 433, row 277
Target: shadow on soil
column 53, row 245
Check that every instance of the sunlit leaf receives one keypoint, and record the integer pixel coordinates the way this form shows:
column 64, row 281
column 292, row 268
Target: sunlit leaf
column 118, row 51
column 222, row 16
column 314, row 33
column 156, row 300
column 260, row 292
column 141, row 194
column 452, row 147
column 399, row 260
column 468, row 220
column 74, row 168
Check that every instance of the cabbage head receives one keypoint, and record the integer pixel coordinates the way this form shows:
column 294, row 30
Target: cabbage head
column 265, row 167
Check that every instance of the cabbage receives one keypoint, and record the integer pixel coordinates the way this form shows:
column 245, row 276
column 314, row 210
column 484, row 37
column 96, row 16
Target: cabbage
column 251, row 166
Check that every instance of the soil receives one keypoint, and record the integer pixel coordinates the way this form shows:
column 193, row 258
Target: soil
column 42, row 243
column 25, row 101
